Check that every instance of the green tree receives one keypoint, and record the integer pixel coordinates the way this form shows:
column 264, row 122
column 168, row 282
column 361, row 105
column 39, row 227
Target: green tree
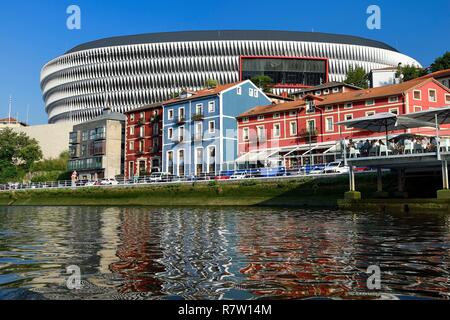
column 410, row 72
column 211, row 83
column 441, row 63
column 263, row 82
column 18, row 153
column 357, row 77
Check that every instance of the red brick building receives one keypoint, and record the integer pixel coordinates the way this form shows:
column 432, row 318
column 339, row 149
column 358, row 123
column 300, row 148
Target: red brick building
column 143, row 143
column 287, row 134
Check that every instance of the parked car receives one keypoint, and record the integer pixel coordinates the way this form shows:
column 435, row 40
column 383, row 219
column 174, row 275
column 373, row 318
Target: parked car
column 273, row 172
column 239, row 176
column 91, row 184
column 219, row 178
column 161, row 177
column 109, row 182
column 336, row 167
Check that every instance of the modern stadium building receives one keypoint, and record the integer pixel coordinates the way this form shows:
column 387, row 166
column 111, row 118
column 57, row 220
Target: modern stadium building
column 133, row 71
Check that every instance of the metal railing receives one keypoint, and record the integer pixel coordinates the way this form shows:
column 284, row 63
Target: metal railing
column 258, row 174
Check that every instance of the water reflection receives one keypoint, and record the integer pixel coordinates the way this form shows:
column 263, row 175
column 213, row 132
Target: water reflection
column 136, row 253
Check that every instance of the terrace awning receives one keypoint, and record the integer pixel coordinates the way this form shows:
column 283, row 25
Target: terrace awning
column 427, row 118
column 380, row 122
column 255, row 156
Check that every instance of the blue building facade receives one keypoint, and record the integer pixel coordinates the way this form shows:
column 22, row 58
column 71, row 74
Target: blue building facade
column 200, row 128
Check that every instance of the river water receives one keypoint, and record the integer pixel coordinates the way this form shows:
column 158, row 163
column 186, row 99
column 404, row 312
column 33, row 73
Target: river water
column 221, row 253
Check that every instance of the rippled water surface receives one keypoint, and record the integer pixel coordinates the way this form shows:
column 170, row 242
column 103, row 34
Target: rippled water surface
column 214, row 253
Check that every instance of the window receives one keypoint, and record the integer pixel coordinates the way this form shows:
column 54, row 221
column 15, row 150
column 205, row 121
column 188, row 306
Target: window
column 292, row 113
column 181, row 156
column 328, row 108
column 131, row 169
column 370, row 102
column 276, row 116
column 181, row 113
column 181, row 163
column 348, row 117
column 348, row 105
column 417, row 108
column 447, row 98
column 260, row 118
column 84, row 136
column 132, row 117
column 261, row 132
column 293, row 128
column 170, row 133
column 432, row 95
column 317, row 93
column 335, row 90
column 199, row 109
column 170, row 114
column 311, row 126
column 310, row 107
column 198, row 129
column 211, row 107
column 131, row 145
column 245, row 134
column 245, row 119
column 212, row 127
column 141, row 146
column 276, row 130
column 170, row 162
column 393, row 99
column 329, row 124
column 417, row 95
column 250, row 92
column 326, row 91
column 211, row 159
column 142, row 115
column 239, row 90
column 199, row 161
column 142, row 132
column 181, row 134
column 131, row 131
column 256, row 93
column 370, row 113
column 394, row 111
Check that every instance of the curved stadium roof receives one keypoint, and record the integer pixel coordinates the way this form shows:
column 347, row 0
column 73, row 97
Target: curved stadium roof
column 222, row 35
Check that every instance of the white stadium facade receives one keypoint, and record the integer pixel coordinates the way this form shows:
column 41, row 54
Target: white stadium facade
column 133, row 71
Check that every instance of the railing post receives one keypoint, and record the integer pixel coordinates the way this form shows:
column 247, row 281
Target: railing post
column 379, row 180
column 351, row 179
column 352, row 194
column 445, row 185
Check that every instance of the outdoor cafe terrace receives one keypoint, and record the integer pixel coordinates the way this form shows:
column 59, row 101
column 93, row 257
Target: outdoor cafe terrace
column 405, row 148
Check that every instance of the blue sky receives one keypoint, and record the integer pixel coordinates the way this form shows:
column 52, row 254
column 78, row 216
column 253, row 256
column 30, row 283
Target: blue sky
column 33, row 32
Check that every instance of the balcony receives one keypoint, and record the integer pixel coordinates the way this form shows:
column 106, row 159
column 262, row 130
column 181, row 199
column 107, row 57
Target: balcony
column 141, row 137
column 141, row 122
column 181, row 121
column 155, row 119
column 74, row 138
column 140, row 153
column 198, row 117
column 100, row 152
column 99, row 136
column 309, row 133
